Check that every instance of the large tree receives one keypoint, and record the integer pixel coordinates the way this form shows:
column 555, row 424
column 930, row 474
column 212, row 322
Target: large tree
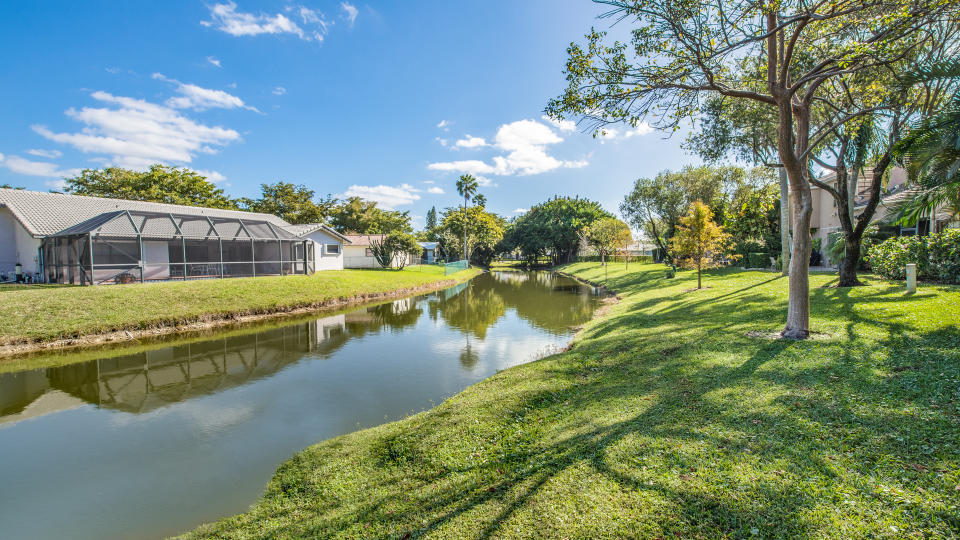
column 747, row 131
column 358, row 216
column 293, row 203
column 931, row 148
column 466, row 187
column 682, row 52
column 608, row 236
column 864, row 147
column 163, row 184
column 555, row 226
column 753, row 219
column 655, row 205
column 476, row 236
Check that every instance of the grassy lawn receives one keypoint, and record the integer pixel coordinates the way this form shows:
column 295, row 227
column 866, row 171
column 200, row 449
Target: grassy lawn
column 666, row 419
column 45, row 313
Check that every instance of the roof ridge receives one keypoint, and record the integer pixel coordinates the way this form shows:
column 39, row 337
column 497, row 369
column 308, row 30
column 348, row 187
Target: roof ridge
column 54, row 194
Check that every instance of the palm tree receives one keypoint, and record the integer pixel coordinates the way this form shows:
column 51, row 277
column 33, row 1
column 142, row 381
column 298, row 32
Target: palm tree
column 479, row 200
column 931, row 150
column 466, row 187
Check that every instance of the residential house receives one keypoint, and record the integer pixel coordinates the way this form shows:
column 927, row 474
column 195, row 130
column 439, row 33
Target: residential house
column 328, row 250
column 59, row 238
column 431, row 251
column 357, row 252
column 825, row 219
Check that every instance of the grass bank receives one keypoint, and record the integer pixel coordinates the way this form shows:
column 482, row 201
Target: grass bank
column 668, row 418
column 33, row 318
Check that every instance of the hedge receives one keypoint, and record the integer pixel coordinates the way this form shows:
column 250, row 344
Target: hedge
column 937, row 256
column 757, row 260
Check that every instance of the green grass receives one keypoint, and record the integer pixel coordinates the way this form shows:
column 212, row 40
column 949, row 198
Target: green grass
column 666, row 419
column 37, row 314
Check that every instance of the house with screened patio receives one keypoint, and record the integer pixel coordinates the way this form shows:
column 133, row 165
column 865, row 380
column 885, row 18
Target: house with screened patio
column 59, row 238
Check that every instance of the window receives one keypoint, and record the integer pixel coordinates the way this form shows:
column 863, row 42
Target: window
column 333, row 249
column 369, row 252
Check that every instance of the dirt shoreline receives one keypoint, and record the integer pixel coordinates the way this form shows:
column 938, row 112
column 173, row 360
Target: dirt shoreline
column 216, row 320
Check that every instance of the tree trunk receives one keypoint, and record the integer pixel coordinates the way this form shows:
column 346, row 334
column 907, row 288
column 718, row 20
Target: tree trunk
column 798, row 309
column 699, row 283
column 848, row 267
column 789, row 148
column 784, row 222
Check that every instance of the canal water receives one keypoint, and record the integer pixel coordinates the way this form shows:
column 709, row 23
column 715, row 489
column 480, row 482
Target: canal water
column 154, row 443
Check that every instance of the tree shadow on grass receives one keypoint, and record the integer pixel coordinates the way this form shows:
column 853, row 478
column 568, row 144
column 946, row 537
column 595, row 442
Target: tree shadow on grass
column 689, row 426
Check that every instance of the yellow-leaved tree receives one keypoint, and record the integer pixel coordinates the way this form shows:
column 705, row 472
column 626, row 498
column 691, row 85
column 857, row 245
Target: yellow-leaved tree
column 698, row 241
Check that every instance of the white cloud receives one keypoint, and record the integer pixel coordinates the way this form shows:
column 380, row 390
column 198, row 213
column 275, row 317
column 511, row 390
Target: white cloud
column 435, row 190
column 444, row 125
column 562, row 125
column 520, row 210
column 442, row 141
column 483, row 181
column 471, row 166
column 425, row 181
column 642, row 128
column 19, row 165
column 136, row 133
column 56, row 185
column 279, row 91
column 199, row 98
column 349, row 12
column 213, row 61
column 226, row 18
column 212, row 176
column 49, row 154
column 471, row 142
column 525, row 143
column 388, row 197
column 614, row 134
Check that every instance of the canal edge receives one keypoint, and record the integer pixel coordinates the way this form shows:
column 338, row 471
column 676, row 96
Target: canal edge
column 610, row 299
column 212, row 321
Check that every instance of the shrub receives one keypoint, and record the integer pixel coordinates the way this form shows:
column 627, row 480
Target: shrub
column 758, row 260
column 889, row 258
column 937, row 256
column 943, row 252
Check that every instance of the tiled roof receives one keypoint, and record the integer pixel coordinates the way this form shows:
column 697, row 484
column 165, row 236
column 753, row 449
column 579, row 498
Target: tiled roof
column 363, row 239
column 307, row 228
column 45, row 214
column 126, row 223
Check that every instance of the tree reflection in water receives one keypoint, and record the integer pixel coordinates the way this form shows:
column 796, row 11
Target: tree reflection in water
column 204, row 422
column 154, row 378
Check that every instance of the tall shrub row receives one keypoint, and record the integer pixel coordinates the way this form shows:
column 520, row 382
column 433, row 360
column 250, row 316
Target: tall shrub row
column 937, row 256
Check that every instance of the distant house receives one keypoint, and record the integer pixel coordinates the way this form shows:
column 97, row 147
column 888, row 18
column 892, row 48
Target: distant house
column 358, row 254
column 328, row 251
column 825, row 219
column 430, row 252
column 59, row 238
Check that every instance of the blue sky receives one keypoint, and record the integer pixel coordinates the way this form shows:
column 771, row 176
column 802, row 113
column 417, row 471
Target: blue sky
column 390, row 101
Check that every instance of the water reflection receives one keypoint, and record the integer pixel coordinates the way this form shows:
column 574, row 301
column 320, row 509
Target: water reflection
column 196, row 429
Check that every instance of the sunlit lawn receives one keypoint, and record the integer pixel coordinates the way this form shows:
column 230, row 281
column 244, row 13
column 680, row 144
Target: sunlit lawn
column 30, row 313
column 673, row 416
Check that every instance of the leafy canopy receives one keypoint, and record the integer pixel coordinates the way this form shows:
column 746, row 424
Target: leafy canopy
column 293, row 203
column 608, row 236
column 359, row 216
column 484, row 231
column 163, row 184
column 699, row 242
column 554, row 227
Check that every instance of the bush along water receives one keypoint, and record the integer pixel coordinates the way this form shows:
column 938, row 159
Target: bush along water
column 937, row 256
